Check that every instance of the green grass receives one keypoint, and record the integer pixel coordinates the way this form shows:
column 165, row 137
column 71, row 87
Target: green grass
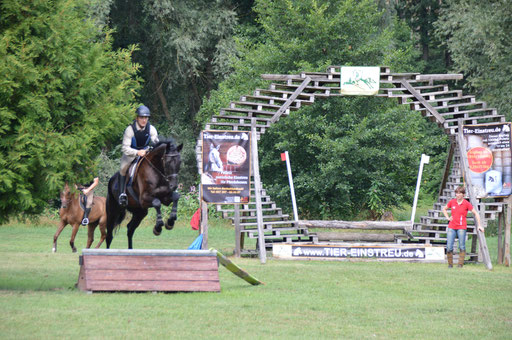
column 301, row 299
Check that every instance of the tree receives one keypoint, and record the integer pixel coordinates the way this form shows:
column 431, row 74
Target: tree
column 184, row 51
column 344, row 150
column 64, row 94
column 478, row 35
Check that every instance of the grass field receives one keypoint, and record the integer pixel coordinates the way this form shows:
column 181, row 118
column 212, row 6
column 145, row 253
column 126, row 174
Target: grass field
column 310, row 299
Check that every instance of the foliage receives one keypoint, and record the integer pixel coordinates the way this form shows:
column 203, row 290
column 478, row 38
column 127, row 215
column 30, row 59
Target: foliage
column 64, row 94
column 184, row 49
column 478, row 35
column 349, row 155
column 421, row 17
column 346, row 151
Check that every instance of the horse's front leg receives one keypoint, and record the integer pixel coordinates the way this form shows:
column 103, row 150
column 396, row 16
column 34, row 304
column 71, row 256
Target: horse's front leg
column 73, row 235
column 169, row 224
column 157, row 230
column 57, row 233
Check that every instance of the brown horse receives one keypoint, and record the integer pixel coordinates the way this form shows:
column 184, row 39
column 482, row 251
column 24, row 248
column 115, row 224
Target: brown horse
column 71, row 213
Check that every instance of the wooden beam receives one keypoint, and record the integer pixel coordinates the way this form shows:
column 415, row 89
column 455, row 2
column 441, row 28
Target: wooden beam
column 422, row 100
column 257, row 192
column 453, row 76
column 447, row 166
column 290, row 100
column 362, row 225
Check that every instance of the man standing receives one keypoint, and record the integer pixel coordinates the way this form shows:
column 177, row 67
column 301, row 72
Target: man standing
column 136, row 139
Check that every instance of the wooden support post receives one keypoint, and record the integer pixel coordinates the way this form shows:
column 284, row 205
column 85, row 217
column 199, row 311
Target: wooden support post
column 257, row 191
column 484, row 251
column 204, row 224
column 506, row 250
column 238, row 231
column 500, row 238
column 447, row 166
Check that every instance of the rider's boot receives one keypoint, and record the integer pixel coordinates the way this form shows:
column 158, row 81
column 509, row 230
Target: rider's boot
column 449, row 256
column 85, row 220
column 123, row 199
column 462, row 255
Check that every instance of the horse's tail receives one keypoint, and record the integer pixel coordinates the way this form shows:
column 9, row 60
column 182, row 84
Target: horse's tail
column 115, row 213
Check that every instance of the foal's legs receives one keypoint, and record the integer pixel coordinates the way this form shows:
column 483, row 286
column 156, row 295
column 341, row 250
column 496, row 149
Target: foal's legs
column 103, row 230
column 57, row 233
column 73, row 235
column 90, row 234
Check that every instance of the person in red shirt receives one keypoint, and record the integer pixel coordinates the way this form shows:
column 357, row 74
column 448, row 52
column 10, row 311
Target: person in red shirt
column 459, row 208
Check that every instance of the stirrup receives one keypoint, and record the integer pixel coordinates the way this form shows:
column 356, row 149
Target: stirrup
column 123, row 199
column 85, row 221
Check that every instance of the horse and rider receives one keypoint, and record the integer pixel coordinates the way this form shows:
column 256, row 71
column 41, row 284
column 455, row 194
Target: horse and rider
column 148, row 172
column 147, row 177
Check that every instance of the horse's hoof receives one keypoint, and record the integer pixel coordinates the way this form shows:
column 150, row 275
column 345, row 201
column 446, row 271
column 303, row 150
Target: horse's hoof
column 156, row 231
column 54, row 250
column 169, row 225
column 74, row 250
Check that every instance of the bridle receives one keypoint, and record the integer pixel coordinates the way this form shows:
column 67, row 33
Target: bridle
column 167, row 178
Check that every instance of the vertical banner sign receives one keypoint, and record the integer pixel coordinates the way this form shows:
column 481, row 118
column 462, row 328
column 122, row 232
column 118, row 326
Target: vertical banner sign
column 225, row 176
column 360, row 80
column 489, row 157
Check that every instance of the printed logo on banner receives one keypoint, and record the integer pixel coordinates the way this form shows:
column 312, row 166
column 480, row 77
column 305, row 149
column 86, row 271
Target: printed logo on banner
column 489, row 158
column 360, row 80
column 225, row 176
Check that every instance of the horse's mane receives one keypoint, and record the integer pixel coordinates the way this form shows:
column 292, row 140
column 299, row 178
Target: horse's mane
column 164, row 140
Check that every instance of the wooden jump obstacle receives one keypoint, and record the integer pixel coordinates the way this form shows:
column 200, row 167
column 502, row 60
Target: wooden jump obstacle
column 148, row 270
column 404, row 226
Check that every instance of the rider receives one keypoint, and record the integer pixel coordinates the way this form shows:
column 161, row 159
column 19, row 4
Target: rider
column 136, row 139
column 87, row 190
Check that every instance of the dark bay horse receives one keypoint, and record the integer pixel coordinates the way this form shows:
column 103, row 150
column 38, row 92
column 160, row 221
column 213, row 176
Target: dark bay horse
column 154, row 184
column 71, row 213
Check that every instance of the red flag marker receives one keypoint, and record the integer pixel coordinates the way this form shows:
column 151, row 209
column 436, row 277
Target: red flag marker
column 283, row 156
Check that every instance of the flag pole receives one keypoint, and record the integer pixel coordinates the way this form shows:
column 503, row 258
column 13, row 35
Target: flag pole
column 290, row 179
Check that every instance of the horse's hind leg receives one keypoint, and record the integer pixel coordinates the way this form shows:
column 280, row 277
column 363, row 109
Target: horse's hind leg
column 56, row 236
column 73, row 235
column 103, row 230
column 134, row 223
column 169, row 224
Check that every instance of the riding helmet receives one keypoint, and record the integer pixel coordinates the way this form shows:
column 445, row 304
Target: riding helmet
column 143, row 111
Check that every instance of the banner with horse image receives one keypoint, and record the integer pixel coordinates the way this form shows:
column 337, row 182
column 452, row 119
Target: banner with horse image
column 360, row 80
column 490, row 160
column 225, row 176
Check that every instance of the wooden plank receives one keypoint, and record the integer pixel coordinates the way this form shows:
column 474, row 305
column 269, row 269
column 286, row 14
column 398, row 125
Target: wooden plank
column 149, row 262
column 237, row 270
column 365, row 225
column 160, row 286
column 151, row 275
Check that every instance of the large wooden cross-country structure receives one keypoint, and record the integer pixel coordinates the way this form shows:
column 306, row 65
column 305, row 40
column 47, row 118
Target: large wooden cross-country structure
column 429, row 94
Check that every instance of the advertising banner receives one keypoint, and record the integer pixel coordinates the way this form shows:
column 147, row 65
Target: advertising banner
column 225, row 176
column 343, row 252
column 489, row 157
column 360, row 80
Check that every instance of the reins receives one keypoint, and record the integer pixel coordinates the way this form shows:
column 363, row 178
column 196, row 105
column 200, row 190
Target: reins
column 167, row 178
